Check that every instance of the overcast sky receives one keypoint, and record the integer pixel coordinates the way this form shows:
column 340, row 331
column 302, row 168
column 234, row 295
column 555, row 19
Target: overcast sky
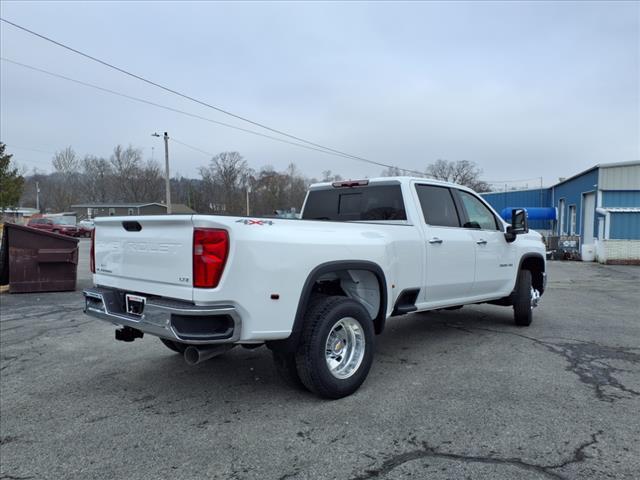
column 522, row 89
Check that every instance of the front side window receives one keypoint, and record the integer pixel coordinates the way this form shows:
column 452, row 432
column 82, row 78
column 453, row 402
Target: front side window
column 438, row 206
column 479, row 216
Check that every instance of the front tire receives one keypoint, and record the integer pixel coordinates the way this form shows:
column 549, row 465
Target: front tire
column 522, row 305
column 336, row 350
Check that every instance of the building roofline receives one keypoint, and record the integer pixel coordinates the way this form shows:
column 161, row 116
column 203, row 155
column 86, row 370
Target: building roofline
column 631, row 163
column 151, row 203
column 599, row 165
column 595, row 167
column 502, row 192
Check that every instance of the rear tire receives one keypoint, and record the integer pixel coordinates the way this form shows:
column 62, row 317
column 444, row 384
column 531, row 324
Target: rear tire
column 336, row 349
column 522, row 309
column 175, row 346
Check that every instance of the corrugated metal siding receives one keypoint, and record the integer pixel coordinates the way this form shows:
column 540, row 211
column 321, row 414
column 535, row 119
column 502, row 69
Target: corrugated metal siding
column 623, row 198
column 625, row 226
column 522, row 198
column 620, row 178
column 572, row 191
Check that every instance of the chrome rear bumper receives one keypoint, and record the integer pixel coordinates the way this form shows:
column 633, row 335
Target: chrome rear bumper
column 171, row 319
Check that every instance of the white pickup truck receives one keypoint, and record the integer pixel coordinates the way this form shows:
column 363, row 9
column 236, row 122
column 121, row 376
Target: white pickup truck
column 314, row 290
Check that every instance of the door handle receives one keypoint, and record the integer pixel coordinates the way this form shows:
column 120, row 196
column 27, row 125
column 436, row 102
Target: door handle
column 482, row 241
column 435, row 240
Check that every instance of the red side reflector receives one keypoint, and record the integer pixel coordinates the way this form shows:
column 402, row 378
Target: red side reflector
column 210, row 250
column 92, row 255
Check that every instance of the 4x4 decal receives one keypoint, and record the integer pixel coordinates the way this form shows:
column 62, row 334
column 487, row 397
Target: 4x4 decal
column 247, row 221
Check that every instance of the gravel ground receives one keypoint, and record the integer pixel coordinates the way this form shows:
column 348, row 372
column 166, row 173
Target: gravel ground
column 452, row 395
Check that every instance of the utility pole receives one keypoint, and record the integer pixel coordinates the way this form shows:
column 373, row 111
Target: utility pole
column 167, row 177
column 38, row 196
column 248, row 192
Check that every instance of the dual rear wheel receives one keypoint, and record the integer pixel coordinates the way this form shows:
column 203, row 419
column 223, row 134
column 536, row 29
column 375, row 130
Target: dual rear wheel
column 336, row 349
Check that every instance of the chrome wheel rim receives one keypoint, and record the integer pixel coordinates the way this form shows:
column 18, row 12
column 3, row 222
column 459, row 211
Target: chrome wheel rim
column 535, row 298
column 345, row 346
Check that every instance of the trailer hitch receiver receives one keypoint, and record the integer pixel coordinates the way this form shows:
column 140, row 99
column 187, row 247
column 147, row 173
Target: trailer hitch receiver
column 128, row 334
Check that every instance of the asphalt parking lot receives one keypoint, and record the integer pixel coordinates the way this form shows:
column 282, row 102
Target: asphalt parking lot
column 452, row 395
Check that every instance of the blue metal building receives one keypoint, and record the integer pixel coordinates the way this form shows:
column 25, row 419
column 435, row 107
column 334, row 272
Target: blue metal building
column 537, row 197
column 601, row 205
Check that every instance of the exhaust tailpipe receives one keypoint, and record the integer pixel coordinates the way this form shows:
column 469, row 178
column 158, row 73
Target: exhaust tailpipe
column 194, row 355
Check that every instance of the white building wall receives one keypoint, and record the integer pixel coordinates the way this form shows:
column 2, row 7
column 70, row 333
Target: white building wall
column 618, row 251
column 619, row 177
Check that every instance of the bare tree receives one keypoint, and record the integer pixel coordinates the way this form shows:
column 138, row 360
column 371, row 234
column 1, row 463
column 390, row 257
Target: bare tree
column 297, row 187
column 136, row 180
column 66, row 161
column 271, row 191
column 392, row 172
column 327, row 176
column 462, row 172
column 97, row 181
column 126, row 177
column 150, row 183
column 225, row 181
column 126, row 165
column 65, row 180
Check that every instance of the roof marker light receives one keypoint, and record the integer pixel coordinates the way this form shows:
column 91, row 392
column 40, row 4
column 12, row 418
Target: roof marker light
column 350, row 183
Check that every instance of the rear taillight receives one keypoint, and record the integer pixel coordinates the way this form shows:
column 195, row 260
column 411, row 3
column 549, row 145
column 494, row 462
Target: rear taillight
column 92, row 259
column 210, row 249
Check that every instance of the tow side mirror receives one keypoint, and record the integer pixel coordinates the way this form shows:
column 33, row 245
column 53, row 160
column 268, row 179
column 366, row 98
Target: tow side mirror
column 519, row 224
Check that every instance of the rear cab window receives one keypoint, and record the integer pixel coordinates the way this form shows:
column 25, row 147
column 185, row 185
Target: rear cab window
column 358, row 203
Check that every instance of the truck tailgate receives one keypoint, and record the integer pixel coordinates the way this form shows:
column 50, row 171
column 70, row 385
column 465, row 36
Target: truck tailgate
column 150, row 254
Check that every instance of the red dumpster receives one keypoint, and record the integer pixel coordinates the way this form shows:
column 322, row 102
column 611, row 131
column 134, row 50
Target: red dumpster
column 39, row 261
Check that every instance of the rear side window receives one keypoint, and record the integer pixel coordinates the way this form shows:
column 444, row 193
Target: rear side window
column 479, row 216
column 438, row 206
column 381, row 202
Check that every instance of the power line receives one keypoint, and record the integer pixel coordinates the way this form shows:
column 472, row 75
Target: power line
column 182, row 112
column 512, row 181
column 209, row 154
column 28, row 148
column 188, row 97
column 175, row 110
